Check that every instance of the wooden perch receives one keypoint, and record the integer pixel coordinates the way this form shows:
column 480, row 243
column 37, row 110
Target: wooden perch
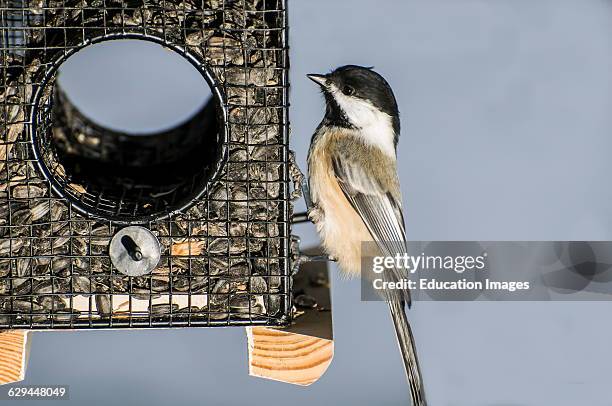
column 14, row 351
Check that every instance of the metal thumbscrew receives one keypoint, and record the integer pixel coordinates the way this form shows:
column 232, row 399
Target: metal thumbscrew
column 132, row 248
column 134, row 251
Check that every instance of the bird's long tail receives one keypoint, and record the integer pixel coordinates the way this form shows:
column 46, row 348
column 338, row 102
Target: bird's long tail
column 408, row 350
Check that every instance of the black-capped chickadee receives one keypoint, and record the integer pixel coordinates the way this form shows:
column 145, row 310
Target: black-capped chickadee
column 354, row 186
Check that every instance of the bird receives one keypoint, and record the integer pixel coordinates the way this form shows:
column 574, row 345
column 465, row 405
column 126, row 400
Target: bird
column 355, row 190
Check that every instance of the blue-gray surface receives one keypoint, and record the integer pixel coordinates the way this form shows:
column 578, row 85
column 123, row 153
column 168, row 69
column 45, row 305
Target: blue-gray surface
column 505, row 135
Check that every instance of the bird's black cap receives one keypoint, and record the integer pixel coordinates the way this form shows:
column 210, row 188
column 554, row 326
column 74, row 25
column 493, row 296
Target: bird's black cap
column 364, row 83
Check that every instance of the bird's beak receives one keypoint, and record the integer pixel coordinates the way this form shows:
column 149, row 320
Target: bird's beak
column 321, row 80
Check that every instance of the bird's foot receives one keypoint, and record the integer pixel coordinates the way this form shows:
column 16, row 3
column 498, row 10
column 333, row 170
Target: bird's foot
column 315, row 214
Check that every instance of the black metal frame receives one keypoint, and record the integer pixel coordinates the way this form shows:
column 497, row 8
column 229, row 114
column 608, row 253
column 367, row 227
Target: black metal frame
column 228, row 245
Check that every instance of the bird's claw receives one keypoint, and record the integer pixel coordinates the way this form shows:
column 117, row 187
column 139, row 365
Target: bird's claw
column 315, row 214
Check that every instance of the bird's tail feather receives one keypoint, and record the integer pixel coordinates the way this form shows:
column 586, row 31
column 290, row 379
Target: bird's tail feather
column 408, row 350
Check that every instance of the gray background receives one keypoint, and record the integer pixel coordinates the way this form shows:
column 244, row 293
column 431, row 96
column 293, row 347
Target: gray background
column 505, row 135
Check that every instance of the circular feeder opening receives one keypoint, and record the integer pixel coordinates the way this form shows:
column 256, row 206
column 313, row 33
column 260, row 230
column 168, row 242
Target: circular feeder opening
column 128, row 130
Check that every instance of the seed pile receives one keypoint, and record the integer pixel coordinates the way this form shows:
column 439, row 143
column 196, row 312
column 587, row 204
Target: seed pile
column 225, row 258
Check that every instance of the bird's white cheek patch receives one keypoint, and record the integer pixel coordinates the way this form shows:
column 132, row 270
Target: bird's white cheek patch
column 374, row 126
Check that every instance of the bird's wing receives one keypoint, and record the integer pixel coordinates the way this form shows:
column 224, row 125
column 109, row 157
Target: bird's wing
column 377, row 205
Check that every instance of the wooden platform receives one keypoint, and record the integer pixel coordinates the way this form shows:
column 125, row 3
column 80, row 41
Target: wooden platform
column 301, row 353
column 14, row 351
column 288, row 357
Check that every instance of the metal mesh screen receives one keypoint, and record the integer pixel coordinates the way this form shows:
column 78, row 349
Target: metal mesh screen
column 218, row 204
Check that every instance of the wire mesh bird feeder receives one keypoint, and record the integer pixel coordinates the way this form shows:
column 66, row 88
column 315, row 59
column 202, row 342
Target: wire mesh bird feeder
column 186, row 227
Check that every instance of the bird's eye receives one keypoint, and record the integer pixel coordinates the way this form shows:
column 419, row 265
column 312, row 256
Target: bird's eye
column 348, row 90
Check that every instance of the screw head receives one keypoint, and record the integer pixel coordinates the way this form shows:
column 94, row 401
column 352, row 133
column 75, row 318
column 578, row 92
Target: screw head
column 134, row 251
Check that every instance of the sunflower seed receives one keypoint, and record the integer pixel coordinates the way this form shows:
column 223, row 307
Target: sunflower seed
column 103, row 305
column 163, row 309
